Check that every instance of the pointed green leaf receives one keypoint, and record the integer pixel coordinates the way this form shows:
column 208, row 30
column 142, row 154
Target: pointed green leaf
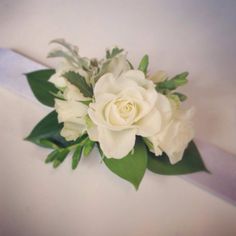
column 47, row 129
column 172, row 84
column 76, row 156
column 41, row 87
column 52, row 156
column 88, row 147
column 167, row 84
column 80, row 82
column 143, row 65
column 60, row 157
column 48, row 143
column 180, row 79
column 86, row 102
column 132, row 167
column 191, row 162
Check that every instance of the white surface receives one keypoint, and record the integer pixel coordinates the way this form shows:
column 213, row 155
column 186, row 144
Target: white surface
column 198, row 36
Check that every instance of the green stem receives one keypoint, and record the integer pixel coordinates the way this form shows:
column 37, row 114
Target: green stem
column 72, row 147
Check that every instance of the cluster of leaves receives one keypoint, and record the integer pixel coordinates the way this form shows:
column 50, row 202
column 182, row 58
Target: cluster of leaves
column 133, row 166
column 167, row 86
column 70, row 54
column 93, row 67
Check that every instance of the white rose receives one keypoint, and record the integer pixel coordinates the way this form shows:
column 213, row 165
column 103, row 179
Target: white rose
column 174, row 138
column 125, row 107
column 71, row 112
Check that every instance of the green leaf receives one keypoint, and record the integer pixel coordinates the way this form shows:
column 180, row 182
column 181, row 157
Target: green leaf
column 191, row 162
column 47, row 129
column 132, row 167
column 180, row 79
column 41, row 87
column 172, row 84
column 48, row 143
column 88, row 147
column 167, row 84
column 52, row 156
column 86, row 102
column 181, row 96
column 76, row 156
column 80, row 82
column 60, row 157
column 143, row 65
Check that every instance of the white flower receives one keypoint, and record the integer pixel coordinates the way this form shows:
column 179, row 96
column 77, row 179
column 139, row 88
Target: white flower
column 70, row 111
column 174, row 138
column 72, row 114
column 125, row 107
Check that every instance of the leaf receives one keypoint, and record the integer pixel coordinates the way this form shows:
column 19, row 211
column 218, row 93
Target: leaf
column 71, row 48
column 191, row 162
column 47, row 129
column 132, row 167
column 42, row 89
column 60, row 157
column 80, row 82
column 76, row 156
column 88, row 147
column 167, row 84
column 48, row 143
column 71, row 54
column 60, row 53
column 180, row 79
column 115, row 51
column 52, row 156
column 172, row 84
column 86, row 102
column 181, row 96
column 143, row 65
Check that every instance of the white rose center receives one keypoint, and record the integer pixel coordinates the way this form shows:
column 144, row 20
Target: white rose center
column 121, row 112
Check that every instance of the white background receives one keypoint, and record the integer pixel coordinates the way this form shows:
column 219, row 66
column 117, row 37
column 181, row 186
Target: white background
column 198, row 36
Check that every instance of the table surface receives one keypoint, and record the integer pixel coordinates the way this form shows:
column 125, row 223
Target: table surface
column 198, row 36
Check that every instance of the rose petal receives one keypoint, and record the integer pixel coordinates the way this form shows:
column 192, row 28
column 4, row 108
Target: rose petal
column 71, row 92
column 58, row 80
column 116, row 144
column 70, row 111
column 71, row 131
column 150, row 124
column 93, row 133
column 175, row 157
column 164, row 106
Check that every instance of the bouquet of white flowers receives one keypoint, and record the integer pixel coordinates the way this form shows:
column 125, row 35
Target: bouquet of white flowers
column 135, row 119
